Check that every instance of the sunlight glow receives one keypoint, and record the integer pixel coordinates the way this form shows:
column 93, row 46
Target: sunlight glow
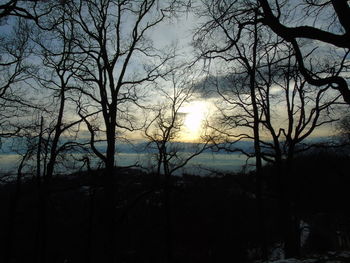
column 196, row 113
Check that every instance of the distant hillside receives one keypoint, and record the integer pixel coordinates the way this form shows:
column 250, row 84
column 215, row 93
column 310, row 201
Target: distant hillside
column 18, row 145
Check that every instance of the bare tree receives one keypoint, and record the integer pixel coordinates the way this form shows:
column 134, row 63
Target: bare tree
column 15, row 8
column 113, row 49
column 50, row 72
column 263, row 86
column 290, row 111
column 305, row 22
column 19, row 20
column 164, row 135
column 241, row 44
column 15, row 106
column 55, row 48
column 56, row 77
column 165, row 129
column 15, row 69
column 304, row 108
column 116, row 60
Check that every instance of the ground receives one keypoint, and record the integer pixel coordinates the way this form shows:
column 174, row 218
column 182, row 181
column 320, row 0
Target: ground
column 330, row 257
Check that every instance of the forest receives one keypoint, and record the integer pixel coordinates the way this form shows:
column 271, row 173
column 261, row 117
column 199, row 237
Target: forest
column 84, row 81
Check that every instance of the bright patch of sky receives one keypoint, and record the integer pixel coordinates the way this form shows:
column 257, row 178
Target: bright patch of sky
column 196, row 114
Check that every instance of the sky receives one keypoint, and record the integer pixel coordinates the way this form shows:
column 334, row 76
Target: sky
column 179, row 31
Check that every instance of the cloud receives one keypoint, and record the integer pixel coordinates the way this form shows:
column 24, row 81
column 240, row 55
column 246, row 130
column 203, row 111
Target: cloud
column 212, row 86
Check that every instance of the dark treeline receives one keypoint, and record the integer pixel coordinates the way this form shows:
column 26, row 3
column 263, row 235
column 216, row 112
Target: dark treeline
column 213, row 219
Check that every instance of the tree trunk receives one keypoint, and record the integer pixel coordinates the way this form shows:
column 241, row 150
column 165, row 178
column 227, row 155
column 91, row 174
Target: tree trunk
column 167, row 210
column 42, row 200
column 259, row 181
column 12, row 214
column 109, row 187
column 58, row 131
column 11, row 225
column 290, row 220
column 89, row 246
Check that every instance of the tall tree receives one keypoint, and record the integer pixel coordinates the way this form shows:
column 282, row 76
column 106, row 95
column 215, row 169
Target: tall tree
column 241, row 45
column 18, row 20
column 259, row 85
column 55, row 57
column 58, row 66
column 166, row 128
column 164, row 132
column 117, row 59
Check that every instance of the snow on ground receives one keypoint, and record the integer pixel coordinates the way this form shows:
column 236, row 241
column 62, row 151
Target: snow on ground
column 293, row 260
column 330, row 257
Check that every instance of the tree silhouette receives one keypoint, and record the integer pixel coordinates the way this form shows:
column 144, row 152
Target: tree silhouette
column 116, row 59
column 15, row 70
column 165, row 129
column 260, row 85
column 14, row 8
column 109, row 51
column 164, row 135
column 242, row 45
column 334, row 32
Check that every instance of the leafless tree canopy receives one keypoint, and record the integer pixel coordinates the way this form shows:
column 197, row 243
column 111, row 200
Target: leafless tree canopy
column 79, row 76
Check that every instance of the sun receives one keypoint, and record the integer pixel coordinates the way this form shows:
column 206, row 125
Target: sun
column 195, row 114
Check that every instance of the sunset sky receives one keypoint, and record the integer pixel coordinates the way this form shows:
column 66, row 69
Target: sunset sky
column 179, row 31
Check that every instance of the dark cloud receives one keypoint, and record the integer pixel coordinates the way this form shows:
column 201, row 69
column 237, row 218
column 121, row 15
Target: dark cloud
column 211, row 86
